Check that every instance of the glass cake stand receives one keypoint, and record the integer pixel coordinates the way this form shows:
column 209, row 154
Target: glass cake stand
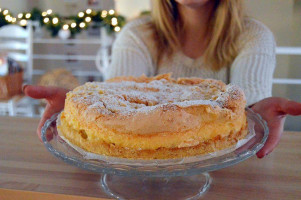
column 186, row 178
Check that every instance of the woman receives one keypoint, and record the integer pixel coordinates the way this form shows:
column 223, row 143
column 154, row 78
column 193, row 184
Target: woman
column 208, row 39
column 203, row 38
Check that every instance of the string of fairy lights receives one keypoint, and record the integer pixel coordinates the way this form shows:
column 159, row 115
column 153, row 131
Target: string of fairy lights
column 54, row 22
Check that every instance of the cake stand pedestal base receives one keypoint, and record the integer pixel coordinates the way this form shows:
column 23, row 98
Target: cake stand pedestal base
column 136, row 187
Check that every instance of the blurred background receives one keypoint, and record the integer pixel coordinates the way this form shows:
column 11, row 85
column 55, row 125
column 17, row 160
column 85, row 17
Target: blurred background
column 66, row 42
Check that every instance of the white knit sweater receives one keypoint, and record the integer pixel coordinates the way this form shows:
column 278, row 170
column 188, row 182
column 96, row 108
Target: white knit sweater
column 252, row 69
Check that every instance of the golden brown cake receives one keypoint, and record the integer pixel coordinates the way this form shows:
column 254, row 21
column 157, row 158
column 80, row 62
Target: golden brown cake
column 154, row 118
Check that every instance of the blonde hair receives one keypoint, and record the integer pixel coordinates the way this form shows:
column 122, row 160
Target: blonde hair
column 225, row 25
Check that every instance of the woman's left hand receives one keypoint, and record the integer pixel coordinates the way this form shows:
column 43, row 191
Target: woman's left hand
column 274, row 111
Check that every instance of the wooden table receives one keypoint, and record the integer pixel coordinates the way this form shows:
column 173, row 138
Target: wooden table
column 27, row 169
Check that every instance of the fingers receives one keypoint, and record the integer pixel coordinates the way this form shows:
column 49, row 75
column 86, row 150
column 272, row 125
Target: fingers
column 275, row 132
column 40, row 92
column 46, row 115
column 54, row 96
column 292, row 108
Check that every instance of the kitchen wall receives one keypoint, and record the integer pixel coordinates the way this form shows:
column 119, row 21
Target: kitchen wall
column 63, row 7
column 132, row 8
column 277, row 15
column 72, row 7
column 15, row 6
column 294, row 69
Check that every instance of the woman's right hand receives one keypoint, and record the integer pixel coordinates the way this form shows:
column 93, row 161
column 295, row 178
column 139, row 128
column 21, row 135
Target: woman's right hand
column 54, row 96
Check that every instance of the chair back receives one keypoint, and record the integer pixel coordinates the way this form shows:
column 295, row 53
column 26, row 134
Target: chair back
column 17, row 42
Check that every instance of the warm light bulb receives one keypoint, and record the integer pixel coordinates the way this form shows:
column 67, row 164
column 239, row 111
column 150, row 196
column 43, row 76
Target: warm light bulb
column 117, row 29
column 8, row 18
column 28, row 15
column 66, row 27
column 89, row 11
column 104, row 13
column 82, row 25
column 114, row 21
column 14, row 20
column 81, row 14
column 73, row 25
column 0, row 9
column 44, row 14
column 49, row 11
column 88, row 19
column 5, row 12
column 23, row 22
column 55, row 20
column 20, row 15
column 46, row 20
column 111, row 12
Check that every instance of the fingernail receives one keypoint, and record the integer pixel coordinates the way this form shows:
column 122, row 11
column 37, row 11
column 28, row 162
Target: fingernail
column 23, row 88
column 261, row 156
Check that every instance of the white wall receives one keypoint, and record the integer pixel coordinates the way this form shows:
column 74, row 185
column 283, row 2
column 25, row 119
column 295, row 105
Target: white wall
column 67, row 8
column 15, row 6
column 132, row 8
column 277, row 15
column 62, row 7
column 294, row 92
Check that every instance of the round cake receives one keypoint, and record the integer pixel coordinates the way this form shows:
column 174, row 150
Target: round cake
column 154, row 118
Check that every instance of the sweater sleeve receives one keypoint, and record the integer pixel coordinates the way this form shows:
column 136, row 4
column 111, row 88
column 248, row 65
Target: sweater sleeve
column 130, row 55
column 253, row 68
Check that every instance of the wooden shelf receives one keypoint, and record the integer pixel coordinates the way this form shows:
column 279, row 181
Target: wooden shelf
column 75, row 73
column 63, row 57
column 69, row 41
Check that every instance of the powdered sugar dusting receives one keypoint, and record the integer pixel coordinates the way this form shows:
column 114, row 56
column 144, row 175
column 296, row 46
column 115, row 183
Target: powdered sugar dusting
column 128, row 96
column 232, row 92
column 196, row 102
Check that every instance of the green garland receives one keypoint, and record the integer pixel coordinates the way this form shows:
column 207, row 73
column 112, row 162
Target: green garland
column 4, row 21
column 54, row 22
